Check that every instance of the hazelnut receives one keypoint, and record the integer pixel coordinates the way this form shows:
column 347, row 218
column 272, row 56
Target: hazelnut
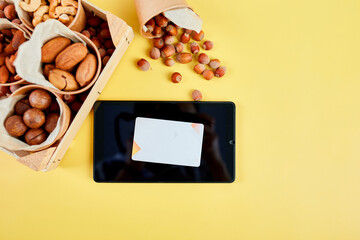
column 15, row 87
column 35, row 136
column 15, row 126
column 219, row 72
column 169, row 62
column 86, row 33
column 143, row 65
column 40, row 99
column 75, row 106
column 105, row 60
column 169, row 39
column 158, row 42
column 167, row 51
column 203, row 58
column 94, row 21
column 161, row 21
column 194, row 48
column 199, row 68
column 96, row 42
column 208, row 45
column 105, row 33
column 172, row 30
column 157, row 31
column 196, row 95
column 214, row 64
column 176, row 77
column 54, row 107
column 51, row 122
column 179, row 47
column 197, row 36
column 185, row 37
column 208, row 74
column 150, row 25
column 34, row 118
column 110, row 51
column 22, row 106
column 4, row 91
column 109, row 44
column 184, row 57
column 102, row 52
column 69, row 98
column 154, row 53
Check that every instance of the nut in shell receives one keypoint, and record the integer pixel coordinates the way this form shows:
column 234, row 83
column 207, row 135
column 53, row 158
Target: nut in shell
column 63, row 80
column 15, row 126
column 35, row 136
column 40, row 99
column 34, row 118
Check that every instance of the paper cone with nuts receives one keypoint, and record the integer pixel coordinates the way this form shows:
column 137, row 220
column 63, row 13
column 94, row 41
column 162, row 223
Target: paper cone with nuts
column 29, row 61
column 12, row 122
column 69, row 12
column 177, row 11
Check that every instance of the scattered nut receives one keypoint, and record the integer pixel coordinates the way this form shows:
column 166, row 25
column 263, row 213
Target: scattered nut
column 176, row 77
column 143, row 65
column 219, row 72
column 184, row 58
column 150, row 25
column 169, row 62
column 69, row 98
column 167, row 51
column 203, row 58
column 196, row 95
column 185, row 37
column 208, row 74
column 169, row 39
column 172, row 30
column 199, row 68
column 154, row 53
column 179, row 47
column 214, row 64
column 194, row 48
column 158, row 42
column 197, row 36
column 208, row 45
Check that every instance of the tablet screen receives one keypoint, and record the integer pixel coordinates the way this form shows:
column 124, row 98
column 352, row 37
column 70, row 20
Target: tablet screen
column 114, row 125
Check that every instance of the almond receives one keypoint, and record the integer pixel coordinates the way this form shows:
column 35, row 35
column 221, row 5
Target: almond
column 86, row 70
column 63, row 80
column 4, row 74
column 18, row 39
column 9, row 65
column 71, row 56
column 52, row 48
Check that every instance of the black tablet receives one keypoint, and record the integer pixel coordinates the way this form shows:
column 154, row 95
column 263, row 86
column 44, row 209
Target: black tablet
column 114, row 124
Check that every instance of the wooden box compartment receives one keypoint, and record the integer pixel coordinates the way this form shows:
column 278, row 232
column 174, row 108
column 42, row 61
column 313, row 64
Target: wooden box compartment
column 49, row 159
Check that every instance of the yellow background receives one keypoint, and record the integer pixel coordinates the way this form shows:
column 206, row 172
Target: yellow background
column 293, row 72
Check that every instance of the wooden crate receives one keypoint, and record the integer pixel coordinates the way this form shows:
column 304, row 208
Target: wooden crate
column 49, row 159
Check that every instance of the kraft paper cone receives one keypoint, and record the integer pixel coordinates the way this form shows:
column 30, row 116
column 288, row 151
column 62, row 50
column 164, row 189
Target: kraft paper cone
column 179, row 12
column 7, row 109
column 78, row 24
column 6, row 24
column 28, row 62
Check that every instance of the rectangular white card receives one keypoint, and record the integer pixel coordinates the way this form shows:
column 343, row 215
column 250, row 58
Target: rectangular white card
column 167, row 142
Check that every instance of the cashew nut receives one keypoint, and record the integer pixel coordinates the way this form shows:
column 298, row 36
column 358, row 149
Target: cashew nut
column 46, row 17
column 64, row 18
column 41, row 11
column 72, row 3
column 31, row 6
column 53, row 5
column 66, row 10
column 36, row 21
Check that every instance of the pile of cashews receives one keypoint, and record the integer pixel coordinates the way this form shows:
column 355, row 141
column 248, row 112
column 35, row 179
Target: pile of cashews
column 42, row 10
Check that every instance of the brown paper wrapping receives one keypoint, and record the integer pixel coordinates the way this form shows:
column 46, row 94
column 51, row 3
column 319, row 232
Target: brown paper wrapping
column 147, row 9
column 78, row 23
column 6, row 24
column 28, row 62
column 13, row 144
